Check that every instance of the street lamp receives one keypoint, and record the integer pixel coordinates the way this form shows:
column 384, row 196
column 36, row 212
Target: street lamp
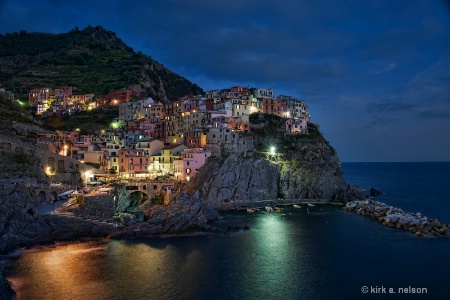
column 272, row 150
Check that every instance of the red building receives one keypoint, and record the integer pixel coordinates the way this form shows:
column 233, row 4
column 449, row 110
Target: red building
column 119, row 96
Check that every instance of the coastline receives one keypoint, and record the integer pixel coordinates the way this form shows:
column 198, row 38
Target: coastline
column 130, row 233
column 390, row 216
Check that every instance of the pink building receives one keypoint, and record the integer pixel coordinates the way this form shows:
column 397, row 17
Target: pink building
column 191, row 105
column 133, row 163
column 193, row 159
column 296, row 126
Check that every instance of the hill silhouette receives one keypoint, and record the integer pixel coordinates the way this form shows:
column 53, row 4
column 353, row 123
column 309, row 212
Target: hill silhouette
column 94, row 60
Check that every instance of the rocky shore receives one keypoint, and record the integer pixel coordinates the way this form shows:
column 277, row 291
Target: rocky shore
column 394, row 217
column 22, row 224
column 6, row 292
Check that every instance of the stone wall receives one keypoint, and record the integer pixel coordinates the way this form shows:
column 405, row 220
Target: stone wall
column 62, row 168
column 242, row 147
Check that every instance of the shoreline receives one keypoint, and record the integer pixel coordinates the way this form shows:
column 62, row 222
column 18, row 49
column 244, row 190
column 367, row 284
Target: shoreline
column 392, row 217
column 130, row 229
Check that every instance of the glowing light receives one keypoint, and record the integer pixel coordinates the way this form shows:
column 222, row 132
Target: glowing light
column 272, row 150
column 114, row 125
column 88, row 174
column 48, row 171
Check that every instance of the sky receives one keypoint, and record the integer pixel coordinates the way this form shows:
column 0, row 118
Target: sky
column 375, row 74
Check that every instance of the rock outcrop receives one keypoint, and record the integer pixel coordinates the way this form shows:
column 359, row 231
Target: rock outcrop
column 313, row 171
column 183, row 214
column 238, row 178
column 374, row 192
column 22, row 226
column 301, row 167
column 6, row 292
column 395, row 217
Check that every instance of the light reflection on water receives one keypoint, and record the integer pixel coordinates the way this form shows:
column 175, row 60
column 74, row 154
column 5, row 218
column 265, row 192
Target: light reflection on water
column 324, row 254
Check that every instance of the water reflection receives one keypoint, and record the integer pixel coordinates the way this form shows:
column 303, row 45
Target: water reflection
column 154, row 265
column 69, row 271
column 289, row 255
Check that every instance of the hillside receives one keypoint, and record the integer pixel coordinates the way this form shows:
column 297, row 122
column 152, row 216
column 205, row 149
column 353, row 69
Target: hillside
column 93, row 59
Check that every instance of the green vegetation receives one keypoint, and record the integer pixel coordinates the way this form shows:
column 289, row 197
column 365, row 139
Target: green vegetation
column 12, row 111
column 87, row 121
column 12, row 162
column 93, row 59
column 269, row 131
column 158, row 200
column 20, row 158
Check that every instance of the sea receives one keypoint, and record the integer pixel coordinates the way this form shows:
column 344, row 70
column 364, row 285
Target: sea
column 319, row 252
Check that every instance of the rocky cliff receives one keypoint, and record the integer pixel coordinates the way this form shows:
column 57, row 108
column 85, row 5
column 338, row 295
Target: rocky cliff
column 21, row 225
column 299, row 167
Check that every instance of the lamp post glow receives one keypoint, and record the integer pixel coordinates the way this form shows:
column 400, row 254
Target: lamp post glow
column 87, row 175
column 272, row 150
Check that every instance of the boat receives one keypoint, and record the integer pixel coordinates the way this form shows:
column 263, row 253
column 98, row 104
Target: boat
column 310, row 204
column 67, row 193
column 250, row 210
column 296, row 206
column 278, row 208
column 269, row 209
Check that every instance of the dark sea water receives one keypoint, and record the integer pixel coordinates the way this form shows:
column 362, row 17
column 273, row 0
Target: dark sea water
column 324, row 254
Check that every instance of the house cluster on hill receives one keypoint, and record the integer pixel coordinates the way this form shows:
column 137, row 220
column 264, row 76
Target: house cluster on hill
column 63, row 100
column 151, row 139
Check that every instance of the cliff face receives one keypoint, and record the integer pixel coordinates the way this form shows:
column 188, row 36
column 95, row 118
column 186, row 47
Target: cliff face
column 238, row 178
column 301, row 167
column 312, row 172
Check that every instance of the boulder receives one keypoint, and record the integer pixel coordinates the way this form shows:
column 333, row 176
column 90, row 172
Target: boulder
column 374, row 192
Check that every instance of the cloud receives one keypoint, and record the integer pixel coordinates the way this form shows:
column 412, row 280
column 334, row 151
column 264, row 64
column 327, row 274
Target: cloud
column 395, row 106
column 353, row 61
column 436, row 113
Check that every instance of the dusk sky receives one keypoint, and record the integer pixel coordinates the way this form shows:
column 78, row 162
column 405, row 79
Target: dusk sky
column 375, row 74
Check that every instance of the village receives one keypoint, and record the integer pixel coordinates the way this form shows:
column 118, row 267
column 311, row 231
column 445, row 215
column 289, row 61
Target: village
column 150, row 140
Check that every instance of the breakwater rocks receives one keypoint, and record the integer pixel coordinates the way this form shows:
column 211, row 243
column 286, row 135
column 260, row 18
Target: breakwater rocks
column 395, row 217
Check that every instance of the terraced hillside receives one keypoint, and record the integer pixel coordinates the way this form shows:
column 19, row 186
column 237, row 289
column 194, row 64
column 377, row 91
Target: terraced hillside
column 93, row 59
